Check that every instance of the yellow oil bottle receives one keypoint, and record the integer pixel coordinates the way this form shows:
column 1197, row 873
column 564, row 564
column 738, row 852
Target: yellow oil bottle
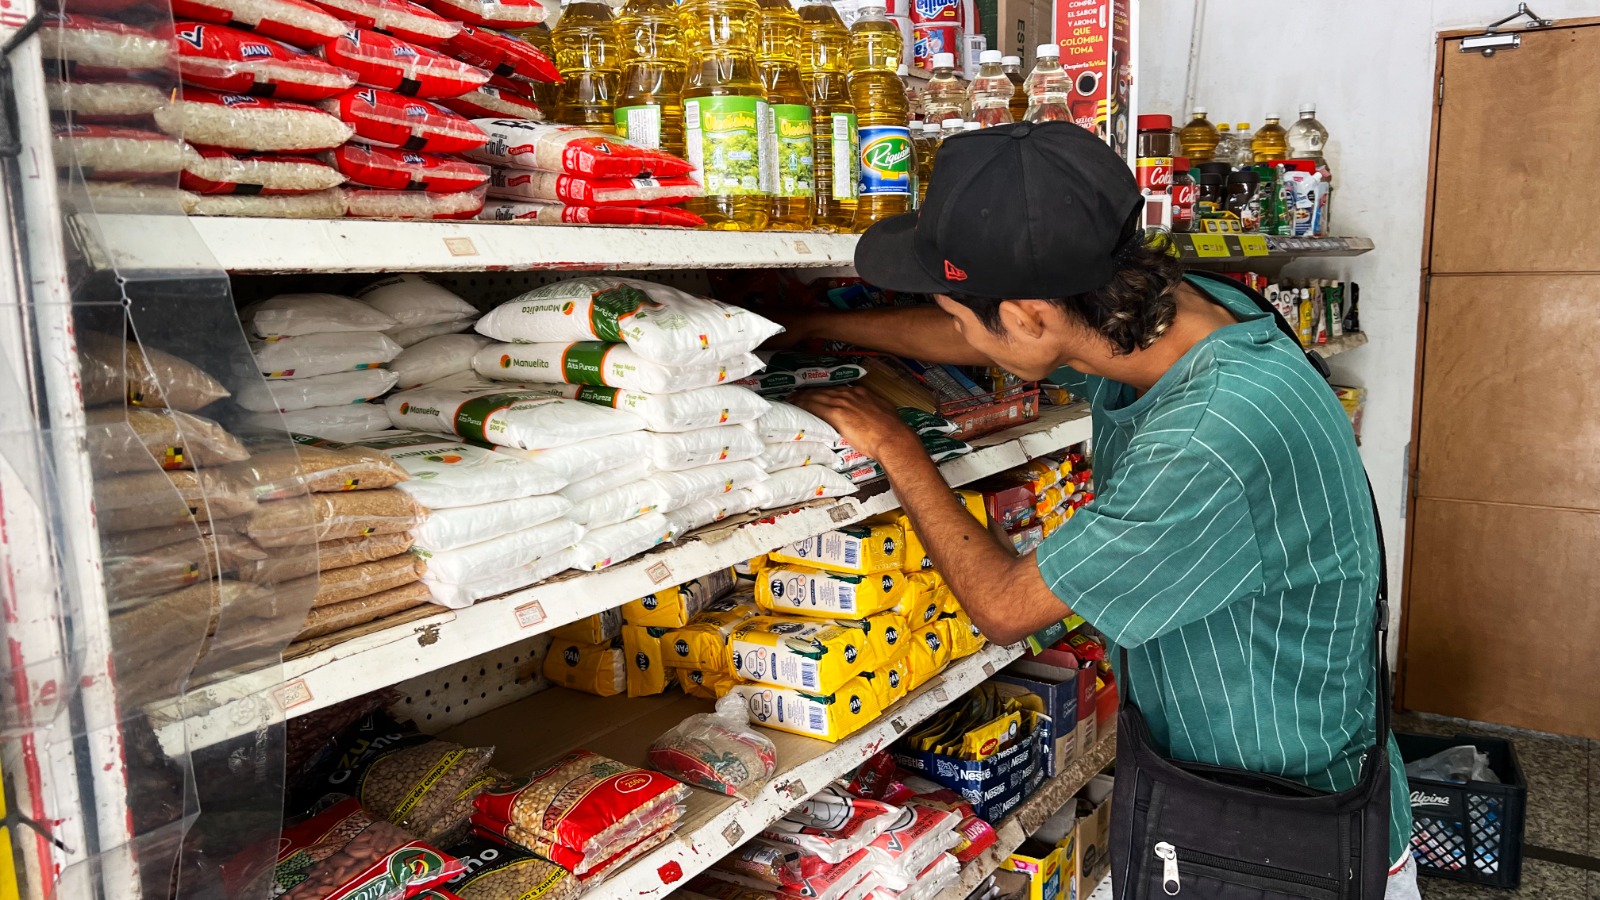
column 725, row 114
column 882, row 116
column 545, row 93
column 649, row 109
column 586, row 53
column 825, row 75
column 792, row 161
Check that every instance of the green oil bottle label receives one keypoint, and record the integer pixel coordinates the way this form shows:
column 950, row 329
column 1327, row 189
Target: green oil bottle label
column 845, row 156
column 796, row 169
column 724, row 139
column 885, row 160
column 640, row 125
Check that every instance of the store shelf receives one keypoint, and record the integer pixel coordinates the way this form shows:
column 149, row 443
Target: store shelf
column 389, row 655
column 712, row 825
column 1235, row 248
column 1011, row 831
column 314, row 246
column 1342, row 344
column 1103, row 892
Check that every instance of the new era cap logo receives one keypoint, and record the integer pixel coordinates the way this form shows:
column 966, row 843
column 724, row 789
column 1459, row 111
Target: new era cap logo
column 953, row 273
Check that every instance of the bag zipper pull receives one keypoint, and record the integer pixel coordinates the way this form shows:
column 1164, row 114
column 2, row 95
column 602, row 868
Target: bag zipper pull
column 1169, row 868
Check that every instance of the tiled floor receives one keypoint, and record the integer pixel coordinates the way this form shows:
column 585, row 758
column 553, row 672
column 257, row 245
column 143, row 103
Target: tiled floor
column 1563, row 812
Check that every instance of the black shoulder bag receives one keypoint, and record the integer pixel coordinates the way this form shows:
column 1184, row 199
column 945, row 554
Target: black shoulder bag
column 1205, row 832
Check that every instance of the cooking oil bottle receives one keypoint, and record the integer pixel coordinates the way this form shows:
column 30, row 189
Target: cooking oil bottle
column 1012, row 66
column 791, row 160
column 882, row 114
column 649, row 110
column 1199, row 138
column 1271, row 142
column 944, row 95
column 1047, row 87
column 825, row 74
column 545, row 93
column 725, row 114
column 586, row 53
column 989, row 95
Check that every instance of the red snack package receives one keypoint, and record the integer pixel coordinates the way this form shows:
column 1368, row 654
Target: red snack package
column 390, row 120
column 491, row 102
column 576, row 151
column 363, row 203
column 218, row 171
column 550, row 212
column 873, row 778
column 239, row 122
column 1085, row 647
column 387, row 62
column 494, row 13
column 293, row 21
column 401, row 18
column 343, row 852
column 573, row 190
column 406, row 170
column 237, row 62
column 501, row 54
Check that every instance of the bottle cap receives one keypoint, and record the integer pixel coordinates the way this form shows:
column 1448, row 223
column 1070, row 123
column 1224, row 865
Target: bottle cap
column 1224, row 127
column 1155, row 123
column 1180, row 164
column 951, row 122
column 971, row 126
column 989, row 56
column 902, row 71
column 1010, row 60
column 1048, row 50
column 1273, row 117
column 1199, row 111
column 944, row 60
column 1307, row 108
column 1243, row 126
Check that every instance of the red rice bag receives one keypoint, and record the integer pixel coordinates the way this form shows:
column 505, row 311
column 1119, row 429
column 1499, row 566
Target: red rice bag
column 94, row 45
column 406, row 170
column 295, row 21
column 401, row 18
column 833, row 824
column 111, row 153
column 521, row 184
column 387, row 62
column 239, row 122
column 390, row 120
column 491, row 102
column 550, row 212
column 363, row 203
column 237, row 62
column 344, row 852
column 573, row 150
column 501, row 54
column 494, row 13
column 214, row 170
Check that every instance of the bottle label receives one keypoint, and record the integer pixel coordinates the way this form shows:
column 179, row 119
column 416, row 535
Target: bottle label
column 640, row 125
column 791, row 124
column 1154, row 174
column 846, row 158
column 885, row 160
column 723, row 138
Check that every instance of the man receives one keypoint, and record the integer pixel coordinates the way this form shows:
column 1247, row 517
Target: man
column 1230, row 548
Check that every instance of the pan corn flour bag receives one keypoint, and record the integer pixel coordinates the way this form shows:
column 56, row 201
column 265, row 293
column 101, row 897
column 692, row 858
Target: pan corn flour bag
column 863, row 549
column 703, row 643
column 830, row 717
column 812, row 656
column 830, row 595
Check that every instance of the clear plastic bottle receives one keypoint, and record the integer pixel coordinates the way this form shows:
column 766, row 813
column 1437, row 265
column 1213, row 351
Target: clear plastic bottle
column 1270, row 142
column 825, row 74
column 989, row 95
column 882, row 114
column 1308, row 139
column 587, row 54
column 1048, row 87
column 951, row 127
column 1012, row 66
column 725, row 113
column 1225, row 144
column 944, row 94
column 1243, row 154
column 649, row 109
column 545, row 93
column 1199, row 137
column 926, row 136
column 778, row 61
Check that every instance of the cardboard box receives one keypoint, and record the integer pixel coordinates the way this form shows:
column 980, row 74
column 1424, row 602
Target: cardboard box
column 1094, row 41
column 1042, row 864
column 1091, row 836
column 1017, row 27
column 994, row 786
column 1058, row 688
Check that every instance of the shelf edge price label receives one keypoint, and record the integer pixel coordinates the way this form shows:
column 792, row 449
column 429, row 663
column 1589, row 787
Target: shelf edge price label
column 1253, row 244
column 1209, row 246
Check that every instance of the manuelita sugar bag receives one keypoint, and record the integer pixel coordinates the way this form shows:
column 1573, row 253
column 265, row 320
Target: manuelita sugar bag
column 703, row 447
column 707, row 407
column 391, row 120
column 322, row 354
column 515, row 144
column 413, row 300
column 600, row 363
column 698, row 513
column 523, row 547
column 660, row 323
column 787, row 422
column 239, row 122
column 613, row 544
column 295, row 22
column 287, row 315
column 400, row 18
column 504, row 415
column 213, row 170
column 435, row 358
column 238, row 62
column 289, row 394
column 447, row 473
column 501, row 54
column 410, row 337
column 785, row 487
column 577, row 190
column 790, row 454
column 334, row 423
column 369, row 165
column 552, row 212
column 387, row 62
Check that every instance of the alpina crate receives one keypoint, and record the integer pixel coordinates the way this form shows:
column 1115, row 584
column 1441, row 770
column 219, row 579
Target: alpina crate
column 1470, row 831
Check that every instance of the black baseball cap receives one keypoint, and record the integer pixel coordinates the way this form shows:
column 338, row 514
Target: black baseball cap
column 1023, row 210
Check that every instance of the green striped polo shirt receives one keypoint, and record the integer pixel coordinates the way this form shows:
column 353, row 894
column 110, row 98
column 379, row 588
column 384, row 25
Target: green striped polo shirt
column 1230, row 549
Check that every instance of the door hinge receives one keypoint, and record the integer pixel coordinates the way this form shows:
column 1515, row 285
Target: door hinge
column 1440, row 101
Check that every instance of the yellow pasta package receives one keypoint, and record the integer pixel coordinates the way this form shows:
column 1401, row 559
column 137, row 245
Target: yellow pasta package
column 891, row 682
column 864, row 549
column 816, row 594
column 930, row 652
column 641, row 652
column 830, row 717
column 595, row 629
column 703, row 643
column 703, row 684
column 591, row 668
column 922, row 602
column 663, row 609
column 807, row 654
column 965, row 638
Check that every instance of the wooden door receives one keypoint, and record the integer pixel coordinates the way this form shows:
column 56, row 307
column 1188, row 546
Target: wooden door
column 1502, row 601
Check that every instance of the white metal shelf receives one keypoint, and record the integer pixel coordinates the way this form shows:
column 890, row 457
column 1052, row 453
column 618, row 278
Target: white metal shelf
column 404, row 651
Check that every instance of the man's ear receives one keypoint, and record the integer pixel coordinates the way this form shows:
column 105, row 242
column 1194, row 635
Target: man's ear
column 1025, row 319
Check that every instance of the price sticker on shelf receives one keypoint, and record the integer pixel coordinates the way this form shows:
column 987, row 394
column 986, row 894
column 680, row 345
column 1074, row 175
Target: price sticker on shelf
column 1253, row 244
column 292, row 694
column 1209, row 246
column 460, row 246
column 529, row 614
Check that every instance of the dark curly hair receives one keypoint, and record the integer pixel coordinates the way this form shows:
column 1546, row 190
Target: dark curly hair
column 1134, row 309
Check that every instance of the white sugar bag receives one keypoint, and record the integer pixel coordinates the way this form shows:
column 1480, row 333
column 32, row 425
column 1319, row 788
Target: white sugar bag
column 345, row 424
column 789, row 454
column 689, row 449
column 457, row 595
column 306, row 355
column 608, row 546
column 661, row 323
column 707, row 407
column 787, row 422
column 711, row 509
column 944, row 871
column 580, row 461
column 446, row 473
column 413, row 301
column 683, row 488
column 607, row 477
column 449, row 529
column 435, row 358
column 621, row 503
column 519, row 548
column 786, row 487
column 290, row 394
column 599, row 363
column 288, row 315
column 407, row 337
column 503, row 415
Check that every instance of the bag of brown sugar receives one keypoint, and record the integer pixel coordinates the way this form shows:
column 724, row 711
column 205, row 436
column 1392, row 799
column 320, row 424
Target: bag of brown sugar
column 125, row 439
column 319, row 469
column 281, row 523
column 153, row 499
column 115, row 370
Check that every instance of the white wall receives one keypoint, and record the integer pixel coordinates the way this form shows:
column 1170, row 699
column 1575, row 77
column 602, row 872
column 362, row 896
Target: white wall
column 1368, row 65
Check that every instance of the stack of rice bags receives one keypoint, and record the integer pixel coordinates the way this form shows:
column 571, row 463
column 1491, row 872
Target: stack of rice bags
column 546, row 174
column 666, row 358
column 798, row 454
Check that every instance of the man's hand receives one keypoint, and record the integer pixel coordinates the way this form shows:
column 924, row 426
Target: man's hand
column 867, row 422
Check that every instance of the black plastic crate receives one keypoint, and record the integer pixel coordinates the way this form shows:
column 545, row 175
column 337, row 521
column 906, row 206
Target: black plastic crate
column 1468, row 832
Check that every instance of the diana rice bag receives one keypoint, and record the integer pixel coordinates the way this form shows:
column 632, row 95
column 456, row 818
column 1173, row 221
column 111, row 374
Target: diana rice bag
column 448, row 473
column 829, row 717
column 707, row 407
column 502, row 414
column 828, row 595
column 600, row 363
column 812, row 656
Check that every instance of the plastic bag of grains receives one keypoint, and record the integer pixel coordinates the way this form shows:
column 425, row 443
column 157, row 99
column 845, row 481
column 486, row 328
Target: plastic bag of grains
column 359, row 579
column 109, row 101
column 213, row 170
column 463, row 565
column 515, row 144
column 494, row 101
column 620, row 503
column 238, row 62
column 580, row 461
column 501, row 54
column 787, row 422
column 389, row 119
column 446, row 473
column 493, row 582
column 304, row 356
column 451, row 529
column 691, row 449
column 551, row 212
column 410, row 337
column 149, row 499
column 237, row 122
column 123, row 197
column 122, row 440
column 685, row 486
column 575, row 190
column 617, row 543
column 97, row 43
column 272, row 568
column 290, row 394
column 319, row 468
column 387, row 62
column 604, row 479
column 295, row 22
column 498, row 870
column 326, row 517
column 698, row 513
column 786, row 487
column 374, row 204
column 435, row 358
column 369, row 165
column 601, row 363
column 493, row 13
column 341, row 851
column 111, row 152
column 718, row 751
column 504, row 415
column 289, row 315
column 113, row 370
column 327, row 204
column 400, row 18
column 335, row 617
column 707, row 407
